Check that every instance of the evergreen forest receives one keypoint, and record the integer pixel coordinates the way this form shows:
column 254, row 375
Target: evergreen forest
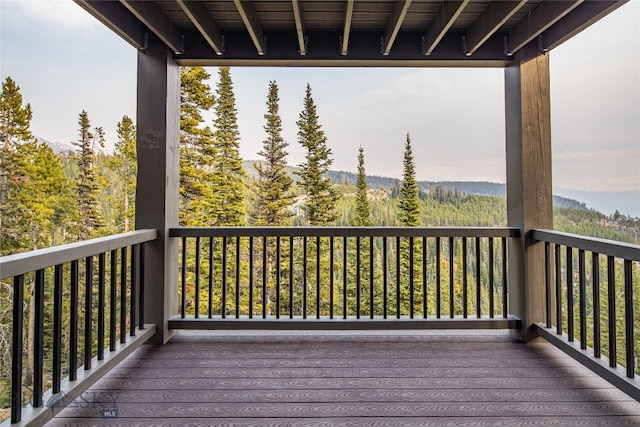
column 52, row 197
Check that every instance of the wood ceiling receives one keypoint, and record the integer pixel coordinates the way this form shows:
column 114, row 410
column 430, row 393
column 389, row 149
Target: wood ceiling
column 461, row 33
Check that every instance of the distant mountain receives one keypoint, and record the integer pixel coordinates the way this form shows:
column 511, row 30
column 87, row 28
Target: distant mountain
column 57, row 147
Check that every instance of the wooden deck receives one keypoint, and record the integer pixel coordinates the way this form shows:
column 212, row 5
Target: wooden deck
column 350, row 378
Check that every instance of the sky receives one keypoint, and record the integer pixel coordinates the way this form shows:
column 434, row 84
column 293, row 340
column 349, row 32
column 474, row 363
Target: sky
column 65, row 61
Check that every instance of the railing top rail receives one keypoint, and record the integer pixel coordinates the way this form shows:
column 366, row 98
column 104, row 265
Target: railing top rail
column 14, row 265
column 602, row 246
column 344, row 231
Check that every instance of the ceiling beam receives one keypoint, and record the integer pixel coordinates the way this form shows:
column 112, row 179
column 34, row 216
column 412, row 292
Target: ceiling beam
column 201, row 18
column 152, row 16
column 577, row 20
column 541, row 18
column 444, row 20
column 248, row 14
column 297, row 14
column 344, row 47
column 491, row 20
column 393, row 26
column 117, row 18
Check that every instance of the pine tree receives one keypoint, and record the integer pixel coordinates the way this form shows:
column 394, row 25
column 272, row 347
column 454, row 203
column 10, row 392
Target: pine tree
column 320, row 206
column 124, row 162
column 15, row 122
column 274, row 184
column 409, row 204
column 197, row 151
column 90, row 216
column 363, row 207
column 230, row 187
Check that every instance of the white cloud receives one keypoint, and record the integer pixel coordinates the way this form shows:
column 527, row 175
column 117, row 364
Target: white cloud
column 61, row 14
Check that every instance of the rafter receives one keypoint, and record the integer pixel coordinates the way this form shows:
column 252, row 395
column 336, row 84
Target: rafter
column 344, row 48
column 393, row 26
column 445, row 19
column 494, row 17
column 543, row 17
column 248, row 14
column 203, row 21
column 297, row 14
column 579, row 19
column 152, row 16
column 117, row 18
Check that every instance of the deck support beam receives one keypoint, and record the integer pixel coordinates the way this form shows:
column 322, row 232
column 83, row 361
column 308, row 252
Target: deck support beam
column 529, row 189
column 158, row 148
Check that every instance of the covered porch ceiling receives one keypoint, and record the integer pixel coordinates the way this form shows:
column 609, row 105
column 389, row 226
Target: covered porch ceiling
column 417, row 33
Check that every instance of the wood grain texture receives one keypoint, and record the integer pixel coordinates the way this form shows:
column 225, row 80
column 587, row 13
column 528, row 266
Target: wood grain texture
column 219, row 379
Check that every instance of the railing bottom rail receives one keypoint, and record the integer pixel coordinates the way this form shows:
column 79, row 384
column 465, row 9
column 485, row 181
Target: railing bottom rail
column 350, row 323
column 600, row 366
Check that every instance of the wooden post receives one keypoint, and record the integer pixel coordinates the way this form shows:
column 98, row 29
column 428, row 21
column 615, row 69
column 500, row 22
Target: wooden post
column 158, row 144
column 529, row 189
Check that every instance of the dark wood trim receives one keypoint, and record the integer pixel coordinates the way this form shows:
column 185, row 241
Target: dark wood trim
column 344, row 231
column 350, row 323
column 14, row 265
column 602, row 246
column 600, row 366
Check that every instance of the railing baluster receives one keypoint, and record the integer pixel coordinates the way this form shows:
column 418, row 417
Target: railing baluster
column 504, row 278
column 251, row 277
column 88, row 318
column 611, row 300
column 210, row 284
column 101, row 286
column 628, row 318
column 558, row 274
column 134, row 291
column 196, row 313
column 183, row 283
column 38, row 339
column 478, row 283
column 570, row 311
column 438, row 279
column 141, row 286
column 398, row 250
column 595, row 282
column 224, row 278
column 304, row 277
column 57, row 329
column 371, row 277
column 465, row 297
column 547, row 284
column 318, row 277
column 331, row 278
column 278, row 298
column 451, row 288
column 358, row 284
column 583, row 295
column 411, row 278
column 491, row 280
column 264, row 276
column 344, row 278
column 291, row 271
column 424, row 277
column 385, row 283
column 16, row 349
column 123, row 295
column 73, row 321
column 113, row 279
column 237, row 302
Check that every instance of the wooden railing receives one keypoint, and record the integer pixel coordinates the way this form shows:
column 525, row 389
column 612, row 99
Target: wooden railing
column 95, row 300
column 343, row 277
column 593, row 304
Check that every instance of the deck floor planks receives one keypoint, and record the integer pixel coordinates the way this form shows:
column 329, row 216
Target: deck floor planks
column 351, row 378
